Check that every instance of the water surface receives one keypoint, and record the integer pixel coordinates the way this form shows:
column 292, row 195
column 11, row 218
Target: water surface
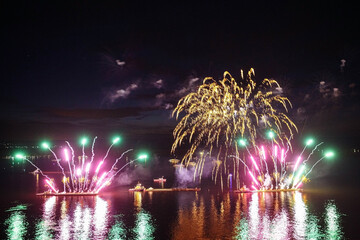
column 120, row 214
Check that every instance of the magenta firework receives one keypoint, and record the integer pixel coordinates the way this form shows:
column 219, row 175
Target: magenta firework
column 82, row 172
column 274, row 166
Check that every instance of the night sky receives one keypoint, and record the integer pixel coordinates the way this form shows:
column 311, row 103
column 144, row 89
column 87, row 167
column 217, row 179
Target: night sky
column 79, row 67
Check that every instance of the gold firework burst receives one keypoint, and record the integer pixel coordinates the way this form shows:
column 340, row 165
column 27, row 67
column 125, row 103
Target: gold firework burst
column 221, row 111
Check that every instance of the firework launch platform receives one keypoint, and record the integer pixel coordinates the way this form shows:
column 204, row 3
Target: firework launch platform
column 269, row 190
column 66, row 194
column 172, row 189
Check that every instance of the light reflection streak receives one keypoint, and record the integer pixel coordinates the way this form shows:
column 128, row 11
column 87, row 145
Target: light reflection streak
column 86, row 224
column 77, row 221
column 312, row 230
column 144, row 228
column 117, row 231
column 254, row 216
column 64, row 222
column 100, row 218
column 300, row 216
column 280, row 226
column 137, row 200
column 283, row 215
column 16, row 223
column 42, row 231
column 65, row 225
column 46, row 226
column 332, row 220
column 242, row 229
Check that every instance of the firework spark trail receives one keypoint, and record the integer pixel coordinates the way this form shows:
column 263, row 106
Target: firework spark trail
column 116, row 161
column 254, row 179
column 254, row 163
column 98, row 183
column 78, row 172
column 102, row 161
column 202, row 167
column 297, row 178
column 275, row 165
column 296, row 166
column 273, row 181
column 199, row 166
column 37, row 168
column 66, row 154
column 107, row 152
column 240, row 161
column 287, row 150
column 314, row 166
column 312, row 152
column 262, row 157
column 58, row 163
column 73, row 165
column 51, row 185
column 82, row 167
column 282, row 163
column 276, row 172
column 95, row 175
column 89, row 164
column 116, row 173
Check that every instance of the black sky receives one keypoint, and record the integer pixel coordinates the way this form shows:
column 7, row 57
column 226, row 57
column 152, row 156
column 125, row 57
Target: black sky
column 69, row 68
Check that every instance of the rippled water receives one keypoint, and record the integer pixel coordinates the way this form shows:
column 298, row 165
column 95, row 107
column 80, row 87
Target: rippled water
column 175, row 215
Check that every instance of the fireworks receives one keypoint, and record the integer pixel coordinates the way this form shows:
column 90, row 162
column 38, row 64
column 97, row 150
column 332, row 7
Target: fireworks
column 278, row 172
column 78, row 175
column 222, row 111
column 223, row 115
